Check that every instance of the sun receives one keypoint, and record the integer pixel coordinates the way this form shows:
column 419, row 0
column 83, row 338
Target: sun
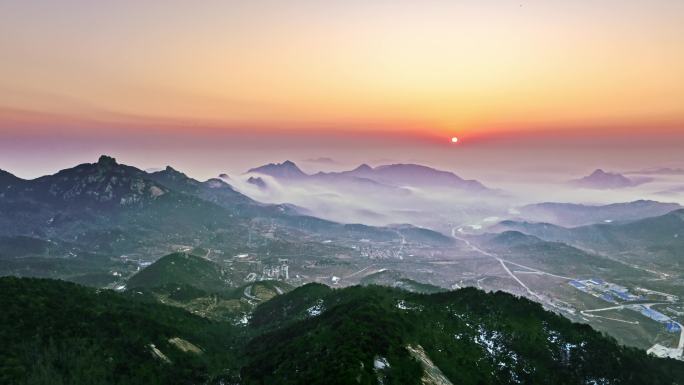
column 454, row 139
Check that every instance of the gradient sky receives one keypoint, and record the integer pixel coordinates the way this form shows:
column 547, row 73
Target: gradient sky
column 234, row 82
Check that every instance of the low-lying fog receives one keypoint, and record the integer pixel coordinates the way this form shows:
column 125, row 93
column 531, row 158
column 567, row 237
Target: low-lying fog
column 443, row 209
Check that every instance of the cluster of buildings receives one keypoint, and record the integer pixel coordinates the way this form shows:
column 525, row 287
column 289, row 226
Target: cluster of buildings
column 607, row 291
column 671, row 325
column 279, row 271
column 616, row 294
column 260, row 271
column 138, row 262
column 371, row 252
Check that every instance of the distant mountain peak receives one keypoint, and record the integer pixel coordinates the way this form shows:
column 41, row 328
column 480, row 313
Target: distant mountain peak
column 600, row 172
column 172, row 171
column 105, row 184
column 363, row 168
column 396, row 175
column 216, row 183
column 286, row 170
column 106, row 161
column 420, row 175
column 215, row 190
column 169, row 174
column 600, row 179
column 257, row 181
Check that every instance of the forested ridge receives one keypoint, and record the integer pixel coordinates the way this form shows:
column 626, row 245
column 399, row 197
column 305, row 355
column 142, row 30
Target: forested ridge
column 54, row 332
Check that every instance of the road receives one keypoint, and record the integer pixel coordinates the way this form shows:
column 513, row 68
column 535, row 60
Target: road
column 508, row 271
column 537, row 271
column 532, row 269
column 358, row 272
column 680, row 345
column 248, row 293
column 529, row 291
column 585, row 313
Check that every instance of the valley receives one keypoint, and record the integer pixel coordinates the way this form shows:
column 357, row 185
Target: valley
column 210, row 251
column 341, row 192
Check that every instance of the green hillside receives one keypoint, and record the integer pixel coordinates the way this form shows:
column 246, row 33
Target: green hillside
column 182, row 269
column 373, row 334
column 53, row 332
column 232, row 305
column 202, row 287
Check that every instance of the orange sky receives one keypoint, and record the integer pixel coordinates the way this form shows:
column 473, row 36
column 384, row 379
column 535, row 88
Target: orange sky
column 428, row 67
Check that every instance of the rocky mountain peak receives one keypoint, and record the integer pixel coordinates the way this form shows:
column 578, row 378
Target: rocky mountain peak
column 106, row 161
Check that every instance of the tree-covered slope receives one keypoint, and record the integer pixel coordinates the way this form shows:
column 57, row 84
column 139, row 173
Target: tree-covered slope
column 183, row 269
column 379, row 335
column 232, row 305
column 54, row 332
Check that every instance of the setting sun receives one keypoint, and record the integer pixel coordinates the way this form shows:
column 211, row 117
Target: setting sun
column 349, row 191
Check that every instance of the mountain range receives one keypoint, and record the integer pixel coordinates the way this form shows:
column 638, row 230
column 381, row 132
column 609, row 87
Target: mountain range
column 311, row 335
column 602, row 180
column 231, row 300
column 554, row 256
column 114, row 207
column 396, row 175
column 655, row 242
column 106, row 214
column 571, row 214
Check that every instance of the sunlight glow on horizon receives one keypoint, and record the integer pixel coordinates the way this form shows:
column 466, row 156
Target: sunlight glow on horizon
column 415, row 67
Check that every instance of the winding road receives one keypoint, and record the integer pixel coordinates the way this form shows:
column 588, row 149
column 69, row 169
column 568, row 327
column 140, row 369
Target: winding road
column 586, row 313
column 508, row 271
